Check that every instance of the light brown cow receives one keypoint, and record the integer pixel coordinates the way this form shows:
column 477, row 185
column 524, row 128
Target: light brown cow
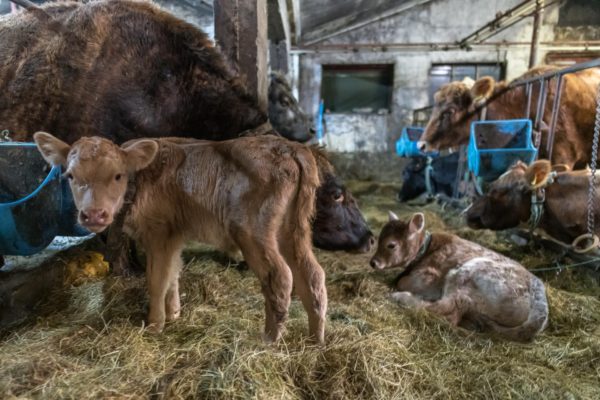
column 463, row 282
column 255, row 194
column 507, row 203
column 450, row 121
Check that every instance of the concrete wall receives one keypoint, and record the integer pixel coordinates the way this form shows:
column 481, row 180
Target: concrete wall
column 436, row 21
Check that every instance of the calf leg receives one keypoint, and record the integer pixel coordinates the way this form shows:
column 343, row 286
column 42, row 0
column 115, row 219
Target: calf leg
column 309, row 283
column 276, row 283
column 451, row 307
column 162, row 271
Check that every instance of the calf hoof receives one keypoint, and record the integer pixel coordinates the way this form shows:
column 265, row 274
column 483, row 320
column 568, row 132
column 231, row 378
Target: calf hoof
column 173, row 316
column 155, row 328
column 405, row 299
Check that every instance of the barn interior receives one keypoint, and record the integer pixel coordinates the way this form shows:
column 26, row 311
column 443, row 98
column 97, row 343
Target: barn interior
column 362, row 71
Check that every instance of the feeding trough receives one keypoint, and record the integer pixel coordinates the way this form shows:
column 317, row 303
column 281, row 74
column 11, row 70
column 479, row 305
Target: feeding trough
column 496, row 145
column 35, row 202
column 407, row 145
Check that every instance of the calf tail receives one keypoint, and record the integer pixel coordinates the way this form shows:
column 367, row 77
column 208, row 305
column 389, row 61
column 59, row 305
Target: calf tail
column 537, row 320
column 308, row 182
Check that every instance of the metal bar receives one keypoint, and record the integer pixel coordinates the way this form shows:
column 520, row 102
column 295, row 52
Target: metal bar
column 26, row 4
column 538, row 109
column 528, row 109
column 554, row 120
column 575, row 68
column 535, row 38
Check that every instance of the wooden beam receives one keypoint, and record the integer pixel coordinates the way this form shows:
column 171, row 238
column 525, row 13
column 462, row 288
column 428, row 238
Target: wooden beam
column 241, row 33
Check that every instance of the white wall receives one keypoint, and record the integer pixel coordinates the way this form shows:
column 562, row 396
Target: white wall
column 437, row 21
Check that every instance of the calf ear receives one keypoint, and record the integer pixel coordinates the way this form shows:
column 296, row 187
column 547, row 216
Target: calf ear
column 483, row 89
column 54, row 150
column 392, row 216
column 417, row 223
column 538, row 173
column 140, row 154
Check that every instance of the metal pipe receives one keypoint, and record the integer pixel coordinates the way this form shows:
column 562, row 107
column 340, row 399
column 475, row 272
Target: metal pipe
column 538, row 113
column 535, row 38
column 528, row 109
column 568, row 70
column 555, row 114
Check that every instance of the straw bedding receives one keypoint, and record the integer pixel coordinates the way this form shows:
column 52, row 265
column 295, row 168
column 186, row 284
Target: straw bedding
column 89, row 341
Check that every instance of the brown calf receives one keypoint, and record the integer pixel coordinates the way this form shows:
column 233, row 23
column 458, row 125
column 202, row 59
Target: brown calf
column 450, row 121
column 563, row 211
column 255, row 194
column 461, row 281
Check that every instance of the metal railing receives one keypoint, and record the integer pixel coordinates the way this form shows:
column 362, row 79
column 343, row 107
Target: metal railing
column 543, row 81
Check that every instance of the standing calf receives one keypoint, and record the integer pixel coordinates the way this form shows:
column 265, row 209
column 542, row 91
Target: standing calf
column 255, row 194
column 461, row 281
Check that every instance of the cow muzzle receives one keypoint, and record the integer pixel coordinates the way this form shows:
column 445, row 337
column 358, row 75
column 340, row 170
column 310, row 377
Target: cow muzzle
column 95, row 219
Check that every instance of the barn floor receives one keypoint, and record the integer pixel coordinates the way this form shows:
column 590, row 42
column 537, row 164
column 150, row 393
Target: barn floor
column 90, row 342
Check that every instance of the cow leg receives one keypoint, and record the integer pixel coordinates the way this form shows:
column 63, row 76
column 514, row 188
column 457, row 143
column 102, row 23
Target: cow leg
column 309, row 284
column 276, row 283
column 162, row 270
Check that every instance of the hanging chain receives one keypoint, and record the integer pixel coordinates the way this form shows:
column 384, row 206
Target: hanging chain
column 592, row 190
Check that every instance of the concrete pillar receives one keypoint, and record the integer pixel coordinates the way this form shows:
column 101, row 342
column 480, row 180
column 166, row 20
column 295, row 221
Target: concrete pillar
column 241, row 33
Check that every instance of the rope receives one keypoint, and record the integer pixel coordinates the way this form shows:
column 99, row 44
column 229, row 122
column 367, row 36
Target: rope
column 561, row 267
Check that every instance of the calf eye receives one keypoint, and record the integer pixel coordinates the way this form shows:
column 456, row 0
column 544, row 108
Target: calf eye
column 391, row 245
column 338, row 197
column 118, row 177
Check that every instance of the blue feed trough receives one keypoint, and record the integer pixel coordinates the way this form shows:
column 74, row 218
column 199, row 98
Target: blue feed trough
column 35, row 202
column 496, row 145
column 407, row 145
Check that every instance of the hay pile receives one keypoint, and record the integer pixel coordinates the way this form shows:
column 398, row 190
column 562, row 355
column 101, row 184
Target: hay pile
column 96, row 347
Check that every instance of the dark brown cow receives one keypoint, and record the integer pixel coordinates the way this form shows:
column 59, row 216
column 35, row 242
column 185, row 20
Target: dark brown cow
column 125, row 70
column 452, row 115
column 255, row 194
column 507, row 203
column 461, row 281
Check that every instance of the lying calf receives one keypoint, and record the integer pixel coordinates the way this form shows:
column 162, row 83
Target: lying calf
column 560, row 194
column 255, row 194
column 461, row 281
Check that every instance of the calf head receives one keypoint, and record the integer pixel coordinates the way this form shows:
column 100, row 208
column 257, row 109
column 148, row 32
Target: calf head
column 98, row 172
column 453, row 112
column 339, row 224
column 399, row 242
column 285, row 113
column 508, row 201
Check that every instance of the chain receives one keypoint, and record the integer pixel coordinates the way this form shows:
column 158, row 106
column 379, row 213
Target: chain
column 5, row 136
column 592, row 190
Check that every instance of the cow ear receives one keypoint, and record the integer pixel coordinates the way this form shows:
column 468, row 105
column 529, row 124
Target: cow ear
column 140, row 154
column 54, row 150
column 483, row 89
column 538, row 173
column 417, row 223
column 561, row 168
column 392, row 216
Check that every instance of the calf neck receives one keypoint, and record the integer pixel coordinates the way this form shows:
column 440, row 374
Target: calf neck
column 255, row 194
column 461, row 281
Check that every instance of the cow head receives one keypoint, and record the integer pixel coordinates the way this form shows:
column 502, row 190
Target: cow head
column 453, row 112
column 399, row 242
column 339, row 224
column 98, row 173
column 507, row 203
column 285, row 113
column 413, row 179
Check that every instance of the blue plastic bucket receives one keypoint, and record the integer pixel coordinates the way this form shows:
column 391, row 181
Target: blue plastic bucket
column 35, row 203
column 407, row 144
column 496, row 145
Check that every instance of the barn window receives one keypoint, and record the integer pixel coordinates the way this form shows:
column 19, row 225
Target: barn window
column 357, row 88
column 440, row 74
